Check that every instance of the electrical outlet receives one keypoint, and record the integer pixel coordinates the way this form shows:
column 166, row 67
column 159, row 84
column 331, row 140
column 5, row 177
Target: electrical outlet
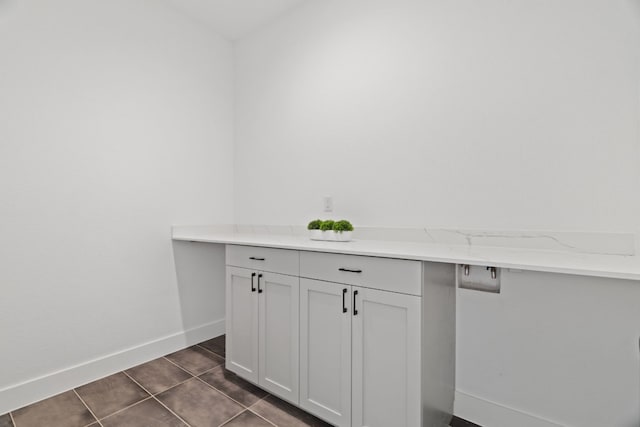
column 327, row 202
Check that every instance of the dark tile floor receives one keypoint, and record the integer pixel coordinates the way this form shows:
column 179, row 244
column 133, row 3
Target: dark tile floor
column 459, row 422
column 188, row 388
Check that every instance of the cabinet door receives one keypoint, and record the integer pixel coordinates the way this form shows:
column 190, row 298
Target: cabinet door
column 325, row 350
column 279, row 334
column 242, row 323
column 386, row 359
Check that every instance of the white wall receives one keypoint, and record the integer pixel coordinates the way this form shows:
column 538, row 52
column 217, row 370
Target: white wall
column 549, row 350
column 477, row 114
column 471, row 114
column 116, row 121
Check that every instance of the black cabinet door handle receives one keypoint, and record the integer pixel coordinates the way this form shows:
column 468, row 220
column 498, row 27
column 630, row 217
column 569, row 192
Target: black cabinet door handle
column 349, row 270
column 256, row 259
column 259, row 289
column 355, row 311
column 344, row 305
column 253, row 289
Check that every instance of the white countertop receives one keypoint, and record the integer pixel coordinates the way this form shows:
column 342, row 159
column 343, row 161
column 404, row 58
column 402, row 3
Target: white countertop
column 622, row 266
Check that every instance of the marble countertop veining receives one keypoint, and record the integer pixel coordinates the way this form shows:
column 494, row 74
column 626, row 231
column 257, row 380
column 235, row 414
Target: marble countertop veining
column 601, row 255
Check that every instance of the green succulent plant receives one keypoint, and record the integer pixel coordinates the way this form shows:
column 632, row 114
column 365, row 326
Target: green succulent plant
column 314, row 225
column 342, row 225
column 327, row 225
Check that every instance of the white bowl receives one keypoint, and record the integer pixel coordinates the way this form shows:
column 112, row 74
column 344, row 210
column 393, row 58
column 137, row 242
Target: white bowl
column 315, row 235
column 343, row 236
column 328, row 235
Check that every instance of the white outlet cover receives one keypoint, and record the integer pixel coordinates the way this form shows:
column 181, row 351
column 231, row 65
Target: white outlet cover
column 327, row 203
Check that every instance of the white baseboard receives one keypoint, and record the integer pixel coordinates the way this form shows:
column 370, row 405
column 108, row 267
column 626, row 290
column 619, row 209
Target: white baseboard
column 35, row 389
column 491, row 414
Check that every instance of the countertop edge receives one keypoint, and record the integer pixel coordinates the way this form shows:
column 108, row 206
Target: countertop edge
column 558, row 262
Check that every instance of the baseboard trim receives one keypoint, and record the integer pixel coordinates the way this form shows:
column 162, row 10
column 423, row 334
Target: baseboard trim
column 490, row 414
column 33, row 390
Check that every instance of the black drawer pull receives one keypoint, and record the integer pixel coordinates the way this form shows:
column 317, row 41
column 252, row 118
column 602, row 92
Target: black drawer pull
column 256, row 259
column 344, row 305
column 253, row 289
column 349, row 270
column 259, row 289
column 355, row 311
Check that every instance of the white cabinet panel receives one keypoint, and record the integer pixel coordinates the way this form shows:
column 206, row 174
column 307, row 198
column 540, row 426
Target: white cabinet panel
column 278, row 297
column 242, row 323
column 395, row 275
column 258, row 258
column 325, row 350
column 386, row 359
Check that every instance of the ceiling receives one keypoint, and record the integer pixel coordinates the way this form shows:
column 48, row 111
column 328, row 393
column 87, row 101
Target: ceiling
column 233, row 18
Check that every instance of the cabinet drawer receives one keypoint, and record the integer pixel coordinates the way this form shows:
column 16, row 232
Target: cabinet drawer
column 281, row 261
column 395, row 275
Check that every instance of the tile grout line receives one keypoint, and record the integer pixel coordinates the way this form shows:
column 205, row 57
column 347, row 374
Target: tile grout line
column 263, row 417
column 210, row 351
column 257, row 414
column 245, row 407
column 88, row 409
column 233, row 418
column 152, row 396
column 172, row 412
column 209, row 370
column 209, row 385
column 223, row 393
column 246, row 410
column 172, row 387
column 258, row 401
column 158, row 400
column 125, row 408
column 260, row 416
column 184, row 369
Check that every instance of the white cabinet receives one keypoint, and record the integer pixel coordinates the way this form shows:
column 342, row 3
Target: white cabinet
column 386, row 359
column 278, row 335
column 242, row 323
column 360, row 347
column 325, row 350
column 395, row 275
column 355, row 340
column 262, row 340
